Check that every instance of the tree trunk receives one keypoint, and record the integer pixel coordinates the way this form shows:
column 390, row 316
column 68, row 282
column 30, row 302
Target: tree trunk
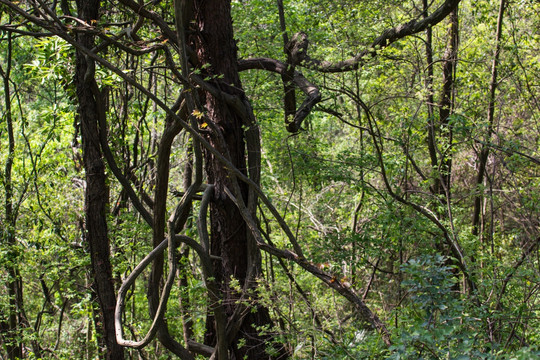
column 96, row 196
column 11, row 322
column 211, row 36
column 484, row 152
column 446, row 105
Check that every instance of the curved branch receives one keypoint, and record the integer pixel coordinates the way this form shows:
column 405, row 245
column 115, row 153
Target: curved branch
column 388, row 37
column 171, row 242
column 130, row 280
column 166, row 30
column 311, row 91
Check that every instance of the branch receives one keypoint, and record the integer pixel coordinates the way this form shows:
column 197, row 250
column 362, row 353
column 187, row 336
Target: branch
column 311, row 91
column 143, row 47
column 171, row 242
column 524, row 255
column 388, row 37
column 301, row 291
column 509, row 151
column 161, row 23
column 128, row 282
column 182, row 211
column 14, row 29
column 154, row 17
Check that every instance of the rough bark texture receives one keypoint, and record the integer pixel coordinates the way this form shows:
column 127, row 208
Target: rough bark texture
column 96, row 197
column 212, row 39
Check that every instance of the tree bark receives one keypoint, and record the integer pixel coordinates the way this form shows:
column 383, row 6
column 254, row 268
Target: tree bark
column 211, row 37
column 96, row 195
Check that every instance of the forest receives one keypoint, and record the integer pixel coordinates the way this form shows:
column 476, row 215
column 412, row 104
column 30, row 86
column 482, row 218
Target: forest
column 269, row 179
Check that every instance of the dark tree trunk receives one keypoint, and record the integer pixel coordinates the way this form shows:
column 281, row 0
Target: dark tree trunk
column 211, row 36
column 96, row 197
column 446, row 103
column 11, row 323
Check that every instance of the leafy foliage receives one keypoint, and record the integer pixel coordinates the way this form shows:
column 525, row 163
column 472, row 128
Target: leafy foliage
column 360, row 185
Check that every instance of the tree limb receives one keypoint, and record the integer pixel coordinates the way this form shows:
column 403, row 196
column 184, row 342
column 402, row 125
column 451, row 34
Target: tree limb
column 311, row 90
column 388, row 37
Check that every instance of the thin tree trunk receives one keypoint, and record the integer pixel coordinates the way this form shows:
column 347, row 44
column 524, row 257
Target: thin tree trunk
column 10, row 326
column 446, row 103
column 96, row 196
column 446, row 106
column 429, row 87
column 484, row 152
